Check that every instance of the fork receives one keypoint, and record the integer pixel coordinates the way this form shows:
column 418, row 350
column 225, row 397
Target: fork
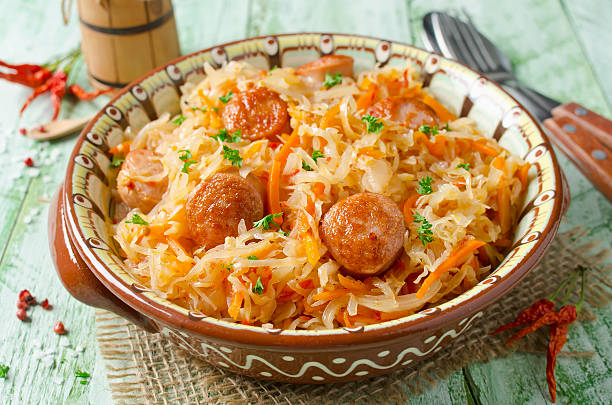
column 584, row 136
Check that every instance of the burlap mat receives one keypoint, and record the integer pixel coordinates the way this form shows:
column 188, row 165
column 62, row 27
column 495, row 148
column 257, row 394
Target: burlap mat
column 145, row 368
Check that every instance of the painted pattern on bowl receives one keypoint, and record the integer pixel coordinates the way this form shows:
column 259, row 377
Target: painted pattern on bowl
column 312, row 356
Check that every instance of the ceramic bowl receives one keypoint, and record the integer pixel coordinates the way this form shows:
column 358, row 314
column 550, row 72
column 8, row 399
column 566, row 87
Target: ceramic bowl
column 90, row 267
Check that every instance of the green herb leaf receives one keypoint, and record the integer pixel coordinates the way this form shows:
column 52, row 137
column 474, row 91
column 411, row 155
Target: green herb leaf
column 466, row 166
column 179, row 120
column 259, row 288
column 224, row 135
column 137, row 220
column 274, row 68
column 216, row 110
column 225, row 99
column 283, row 232
column 373, row 124
column 332, row 80
column 186, row 165
column 81, row 374
column 194, row 109
column 315, row 155
column 266, row 221
column 425, row 186
column 447, row 128
column 252, row 257
column 233, row 155
column 4, row 371
column 186, row 154
column 424, row 230
column 427, row 130
column 229, row 267
column 117, row 161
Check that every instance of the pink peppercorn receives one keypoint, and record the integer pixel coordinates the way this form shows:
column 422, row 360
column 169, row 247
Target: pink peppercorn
column 28, row 162
column 45, row 304
column 59, row 328
column 22, row 305
column 22, row 131
column 21, row 315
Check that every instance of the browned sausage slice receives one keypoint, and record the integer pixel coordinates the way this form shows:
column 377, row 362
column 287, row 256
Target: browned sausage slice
column 216, row 206
column 143, row 195
column 257, row 113
column 331, row 64
column 364, row 233
column 409, row 111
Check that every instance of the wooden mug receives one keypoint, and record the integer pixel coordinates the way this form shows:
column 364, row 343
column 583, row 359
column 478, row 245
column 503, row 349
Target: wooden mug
column 124, row 39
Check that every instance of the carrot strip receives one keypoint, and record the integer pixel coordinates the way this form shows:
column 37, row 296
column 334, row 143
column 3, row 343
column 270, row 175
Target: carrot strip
column 253, row 149
column 365, row 84
column 408, row 206
column 454, row 258
column 123, row 148
column 366, row 99
column 442, row 112
column 330, row 294
column 370, row 151
column 318, row 188
column 347, row 321
column 523, row 173
column 235, row 304
column 499, row 163
column 176, row 247
column 484, row 148
column 351, row 284
column 307, row 284
column 438, row 146
column 312, row 248
column 275, row 174
column 329, row 115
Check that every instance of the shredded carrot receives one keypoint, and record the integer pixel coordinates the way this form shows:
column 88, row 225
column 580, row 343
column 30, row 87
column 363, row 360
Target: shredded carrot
column 523, row 173
column 408, row 206
column 235, row 304
column 318, row 188
column 307, row 284
column 176, row 247
column 442, row 112
column 438, row 146
column 253, row 149
column 122, row 149
column 370, row 151
column 329, row 115
column 156, row 230
column 330, row 294
column 365, row 84
column 275, row 174
column 503, row 209
column 352, row 284
column 347, row 321
column 483, row 147
column 312, row 248
column 454, row 258
column 366, row 99
column 499, row 163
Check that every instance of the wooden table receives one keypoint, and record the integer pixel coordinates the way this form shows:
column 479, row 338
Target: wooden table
column 560, row 47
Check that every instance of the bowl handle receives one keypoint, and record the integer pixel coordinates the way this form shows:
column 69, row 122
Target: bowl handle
column 74, row 274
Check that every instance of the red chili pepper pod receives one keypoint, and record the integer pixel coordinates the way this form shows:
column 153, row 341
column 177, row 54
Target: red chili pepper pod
column 84, row 95
column 531, row 314
column 27, row 75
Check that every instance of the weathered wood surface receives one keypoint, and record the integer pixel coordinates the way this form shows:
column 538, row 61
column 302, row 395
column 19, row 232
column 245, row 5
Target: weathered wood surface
column 559, row 47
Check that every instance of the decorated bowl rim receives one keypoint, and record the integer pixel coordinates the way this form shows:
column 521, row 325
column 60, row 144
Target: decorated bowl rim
column 309, row 339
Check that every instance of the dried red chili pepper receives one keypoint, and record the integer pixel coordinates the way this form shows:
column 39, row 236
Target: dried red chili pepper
column 56, row 86
column 549, row 318
column 558, row 338
column 531, row 314
column 27, row 75
column 83, row 95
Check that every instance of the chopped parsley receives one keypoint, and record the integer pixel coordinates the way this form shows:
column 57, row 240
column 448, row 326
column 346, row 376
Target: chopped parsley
column 4, row 371
column 315, row 155
column 447, row 128
column 198, row 109
column 252, row 257
column 266, row 221
column 229, row 267
column 186, row 158
column 216, row 110
column 233, row 155
column 283, row 232
column 332, row 80
column 427, row 130
column 373, row 124
column 179, row 120
column 259, row 288
column 425, row 186
column 137, row 220
column 274, row 68
column 425, row 233
column 83, row 375
column 224, row 136
column 225, row 99
column 117, row 161
column 465, row 166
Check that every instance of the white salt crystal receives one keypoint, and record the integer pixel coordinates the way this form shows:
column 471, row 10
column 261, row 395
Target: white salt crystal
column 64, row 341
column 80, row 349
column 27, row 219
column 58, row 380
column 33, row 172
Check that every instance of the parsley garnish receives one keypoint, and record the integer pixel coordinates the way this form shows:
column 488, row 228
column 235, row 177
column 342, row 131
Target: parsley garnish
column 274, row 68
column 229, row 267
column 373, row 124
column 83, row 375
column 198, row 109
column 466, row 166
column 117, row 161
column 185, row 157
column 447, row 128
column 283, row 232
column 252, row 257
column 215, row 109
column 259, row 288
column 424, row 229
column 4, row 371
column 332, row 80
column 425, row 186
column 137, row 220
column 179, row 120
column 266, row 221
column 427, row 130
column 233, row 155
column 224, row 135
column 315, row 155
column 225, row 99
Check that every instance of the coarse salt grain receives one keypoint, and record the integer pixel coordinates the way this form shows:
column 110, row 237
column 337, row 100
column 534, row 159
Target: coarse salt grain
column 27, row 219
column 64, row 341
column 80, row 349
column 49, row 362
column 58, row 381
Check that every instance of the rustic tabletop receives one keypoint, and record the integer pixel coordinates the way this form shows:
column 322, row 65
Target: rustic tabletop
column 560, row 47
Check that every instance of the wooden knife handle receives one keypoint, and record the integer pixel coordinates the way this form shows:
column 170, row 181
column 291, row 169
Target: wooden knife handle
column 598, row 126
column 579, row 143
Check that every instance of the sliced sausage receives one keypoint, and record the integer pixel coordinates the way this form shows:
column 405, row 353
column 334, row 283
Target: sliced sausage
column 216, row 206
column 133, row 190
column 257, row 113
column 331, row 64
column 411, row 112
column 364, row 233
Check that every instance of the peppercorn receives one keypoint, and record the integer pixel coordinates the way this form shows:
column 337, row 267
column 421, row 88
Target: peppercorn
column 21, row 315
column 22, row 305
column 59, row 328
column 23, row 131
column 28, row 161
column 45, row 304
column 23, row 294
